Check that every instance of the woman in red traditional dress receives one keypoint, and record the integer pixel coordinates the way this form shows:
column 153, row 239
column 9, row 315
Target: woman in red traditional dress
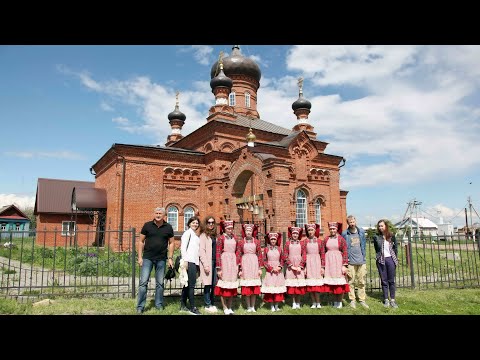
column 273, row 286
column 295, row 257
column 227, row 267
column 249, row 256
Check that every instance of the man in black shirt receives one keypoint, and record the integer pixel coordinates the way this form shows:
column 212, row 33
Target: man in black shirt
column 155, row 238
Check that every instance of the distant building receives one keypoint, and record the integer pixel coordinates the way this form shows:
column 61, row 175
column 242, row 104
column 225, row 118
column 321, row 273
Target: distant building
column 424, row 226
column 13, row 222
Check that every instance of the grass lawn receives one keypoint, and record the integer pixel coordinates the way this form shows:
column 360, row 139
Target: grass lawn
column 411, row 302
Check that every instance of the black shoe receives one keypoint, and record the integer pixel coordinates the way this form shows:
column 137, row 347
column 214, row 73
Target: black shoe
column 184, row 308
column 195, row 311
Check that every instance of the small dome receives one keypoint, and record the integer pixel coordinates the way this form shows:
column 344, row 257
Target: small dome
column 176, row 115
column 221, row 80
column 237, row 64
column 250, row 136
column 301, row 103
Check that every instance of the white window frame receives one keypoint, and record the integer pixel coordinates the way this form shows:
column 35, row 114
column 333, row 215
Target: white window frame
column 17, row 227
column 301, row 208
column 231, row 99
column 247, row 99
column 318, row 212
column 68, row 228
column 172, row 217
column 3, row 227
column 187, row 214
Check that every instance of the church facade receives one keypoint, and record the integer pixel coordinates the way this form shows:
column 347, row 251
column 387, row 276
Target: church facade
column 236, row 166
column 285, row 178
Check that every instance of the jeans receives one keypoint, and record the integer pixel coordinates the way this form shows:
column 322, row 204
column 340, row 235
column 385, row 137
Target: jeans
column 387, row 277
column 188, row 291
column 208, row 290
column 145, row 277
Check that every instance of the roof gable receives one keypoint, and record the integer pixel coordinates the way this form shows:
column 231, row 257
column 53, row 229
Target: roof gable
column 12, row 211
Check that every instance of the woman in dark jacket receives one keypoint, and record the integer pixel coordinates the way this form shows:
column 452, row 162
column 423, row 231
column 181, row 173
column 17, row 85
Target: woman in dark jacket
column 387, row 261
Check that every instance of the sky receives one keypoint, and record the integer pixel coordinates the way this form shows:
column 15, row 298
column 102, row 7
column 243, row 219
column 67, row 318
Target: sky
column 405, row 117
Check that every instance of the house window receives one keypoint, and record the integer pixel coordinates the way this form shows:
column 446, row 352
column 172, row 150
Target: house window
column 187, row 214
column 247, row 99
column 301, row 208
column 4, row 227
column 231, row 99
column 68, row 228
column 318, row 212
column 17, row 227
column 172, row 217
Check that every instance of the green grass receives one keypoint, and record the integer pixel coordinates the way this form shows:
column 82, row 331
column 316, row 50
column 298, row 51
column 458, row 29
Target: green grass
column 411, row 302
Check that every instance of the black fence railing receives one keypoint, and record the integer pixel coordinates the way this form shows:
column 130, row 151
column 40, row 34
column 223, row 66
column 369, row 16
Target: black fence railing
column 52, row 264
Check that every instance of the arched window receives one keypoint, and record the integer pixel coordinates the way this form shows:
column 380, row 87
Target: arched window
column 247, row 99
column 318, row 212
column 231, row 98
column 187, row 214
column 172, row 217
column 301, row 208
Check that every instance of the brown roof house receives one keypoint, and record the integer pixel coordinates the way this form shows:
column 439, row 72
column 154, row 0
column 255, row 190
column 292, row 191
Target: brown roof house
column 63, row 211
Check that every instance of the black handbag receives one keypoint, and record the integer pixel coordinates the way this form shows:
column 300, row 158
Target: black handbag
column 170, row 274
column 179, row 257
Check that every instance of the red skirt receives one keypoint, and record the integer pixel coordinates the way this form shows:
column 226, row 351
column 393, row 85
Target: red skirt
column 335, row 289
column 273, row 297
column 296, row 290
column 250, row 290
column 316, row 288
column 225, row 292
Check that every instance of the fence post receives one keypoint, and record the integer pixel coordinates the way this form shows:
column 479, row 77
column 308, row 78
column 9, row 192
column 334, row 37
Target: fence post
column 410, row 259
column 133, row 263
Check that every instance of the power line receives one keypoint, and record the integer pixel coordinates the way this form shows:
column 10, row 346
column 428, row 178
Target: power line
column 457, row 214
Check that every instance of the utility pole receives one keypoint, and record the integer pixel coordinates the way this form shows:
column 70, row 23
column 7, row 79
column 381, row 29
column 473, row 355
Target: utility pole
column 471, row 219
column 466, row 222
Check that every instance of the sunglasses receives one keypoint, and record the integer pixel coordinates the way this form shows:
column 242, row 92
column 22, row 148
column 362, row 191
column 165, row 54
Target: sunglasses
column 210, row 222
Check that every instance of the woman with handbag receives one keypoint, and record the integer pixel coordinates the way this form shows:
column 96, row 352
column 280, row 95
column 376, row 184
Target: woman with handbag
column 189, row 249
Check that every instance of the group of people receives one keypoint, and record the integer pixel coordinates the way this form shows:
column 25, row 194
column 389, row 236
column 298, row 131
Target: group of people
column 335, row 264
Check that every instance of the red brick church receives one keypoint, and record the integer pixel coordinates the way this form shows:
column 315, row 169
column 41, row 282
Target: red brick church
column 236, row 166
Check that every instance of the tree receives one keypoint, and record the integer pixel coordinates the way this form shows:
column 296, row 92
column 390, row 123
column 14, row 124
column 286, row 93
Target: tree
column 31, row 216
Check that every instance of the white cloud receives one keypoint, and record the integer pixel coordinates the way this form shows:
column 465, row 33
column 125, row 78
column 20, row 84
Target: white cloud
column 106, row 107
column 408, row 123
column 45, row 154
column 21, row 201
column 203, row 54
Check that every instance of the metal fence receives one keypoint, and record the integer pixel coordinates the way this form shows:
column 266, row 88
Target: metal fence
column 32, row 267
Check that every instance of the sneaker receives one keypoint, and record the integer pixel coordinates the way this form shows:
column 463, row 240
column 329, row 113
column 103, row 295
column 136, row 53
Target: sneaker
column 273, row 309
column 337, row 304
column 226, row 311
column 353, row 304
column 364, row 304
column 194, row 311
column 314, row 306
column 253, row 309
column 249, row 309
column 231, row 311
column 393, row 304
column 319, row 306
column 386, row 303
column 211, row 309
column 277, row 308
column 294, row 306
column 183, row 308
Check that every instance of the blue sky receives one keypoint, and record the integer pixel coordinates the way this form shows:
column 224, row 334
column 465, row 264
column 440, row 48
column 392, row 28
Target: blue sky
column 406, row 118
